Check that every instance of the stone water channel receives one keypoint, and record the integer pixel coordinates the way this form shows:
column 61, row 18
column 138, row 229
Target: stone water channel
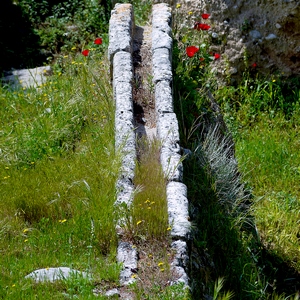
column 142, row 56
column 141, row 73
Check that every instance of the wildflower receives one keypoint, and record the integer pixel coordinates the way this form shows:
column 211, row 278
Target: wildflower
column 13, row 285
column 201, row 58
column 62, row 221
column 217, row 56
column 191, row 51
column 138, row 222
column 32, row 163
column 25, row 241
column 169, row 228
column 274, row 80
column 25, row 230
column 190, row 12
column 201, row 26
column 150, row 255
column 133, row 276
column 254, row 65
column 6, row 168
column 65, row 56
column 98, row 41
column 162, row 269
column 73, row 48
column 152, row 203
column 160, row 264
column 147, row 201
column 205, row 16
column 178, row 5
column 85, row 52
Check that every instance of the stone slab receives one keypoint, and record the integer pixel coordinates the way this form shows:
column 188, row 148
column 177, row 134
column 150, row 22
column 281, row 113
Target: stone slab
column 161, row 65
column 121, row 26
column 27, row 78
column 127, row 255
column 122, row 67
column 163, row 97
column 178, row 210
column 54, row 274
column 167, row 129
column 171, row 163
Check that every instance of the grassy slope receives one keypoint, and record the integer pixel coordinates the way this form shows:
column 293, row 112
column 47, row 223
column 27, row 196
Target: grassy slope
column 58, row 169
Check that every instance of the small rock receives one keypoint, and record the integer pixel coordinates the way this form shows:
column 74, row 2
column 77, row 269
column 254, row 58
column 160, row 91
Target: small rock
column 278, row 26
column 232, row 71
column 53, row 274
column 255, row 34
column 271, row 36
column 113, row 292
column 214, row 35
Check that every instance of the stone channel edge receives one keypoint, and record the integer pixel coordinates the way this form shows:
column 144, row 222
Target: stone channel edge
column 120, row 55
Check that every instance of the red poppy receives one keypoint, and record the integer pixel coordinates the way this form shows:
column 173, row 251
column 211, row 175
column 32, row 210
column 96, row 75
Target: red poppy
column 85, row 52
column 98, row 41
column 201, row 26
column 217, row 56
column 254, row 65
column 202, row 59
column 205, row 16
column 191, row 51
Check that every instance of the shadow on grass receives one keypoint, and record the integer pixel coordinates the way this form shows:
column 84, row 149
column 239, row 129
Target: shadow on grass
column 220, row 248
column 19, row 44
column 217, row 249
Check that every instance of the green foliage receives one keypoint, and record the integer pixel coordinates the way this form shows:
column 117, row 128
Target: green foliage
column 41, row 29
column 220, row 247
column 262, row 115
column 148, row 216
column 58, row 169
column 192, row 76
column 173, row 292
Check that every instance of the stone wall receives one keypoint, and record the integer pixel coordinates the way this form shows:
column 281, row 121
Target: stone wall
column 263, row 34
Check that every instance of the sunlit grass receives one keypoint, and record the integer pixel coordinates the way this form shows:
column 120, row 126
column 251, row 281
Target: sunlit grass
column 269, row 152
column 149, row 214
column 58, row 168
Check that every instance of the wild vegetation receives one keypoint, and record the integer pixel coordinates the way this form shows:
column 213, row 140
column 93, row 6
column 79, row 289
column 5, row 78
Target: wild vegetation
column 242, row 174
column 58, row 166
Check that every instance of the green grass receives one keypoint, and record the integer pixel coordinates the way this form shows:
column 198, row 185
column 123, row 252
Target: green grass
column 58, row 170
column 149, row 214
column 264, row 118
column 269, row 152
column 228, row 204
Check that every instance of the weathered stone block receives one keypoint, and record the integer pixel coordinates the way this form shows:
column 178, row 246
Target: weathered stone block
column 161, row 65
column 163, row 97
column 178, row 210
column 120, row 29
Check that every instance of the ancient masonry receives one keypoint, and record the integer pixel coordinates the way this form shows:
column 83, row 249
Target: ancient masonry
column 121, row 47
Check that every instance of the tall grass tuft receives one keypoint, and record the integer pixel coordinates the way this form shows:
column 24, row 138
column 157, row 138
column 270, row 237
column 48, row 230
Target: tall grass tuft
column 149, row 212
